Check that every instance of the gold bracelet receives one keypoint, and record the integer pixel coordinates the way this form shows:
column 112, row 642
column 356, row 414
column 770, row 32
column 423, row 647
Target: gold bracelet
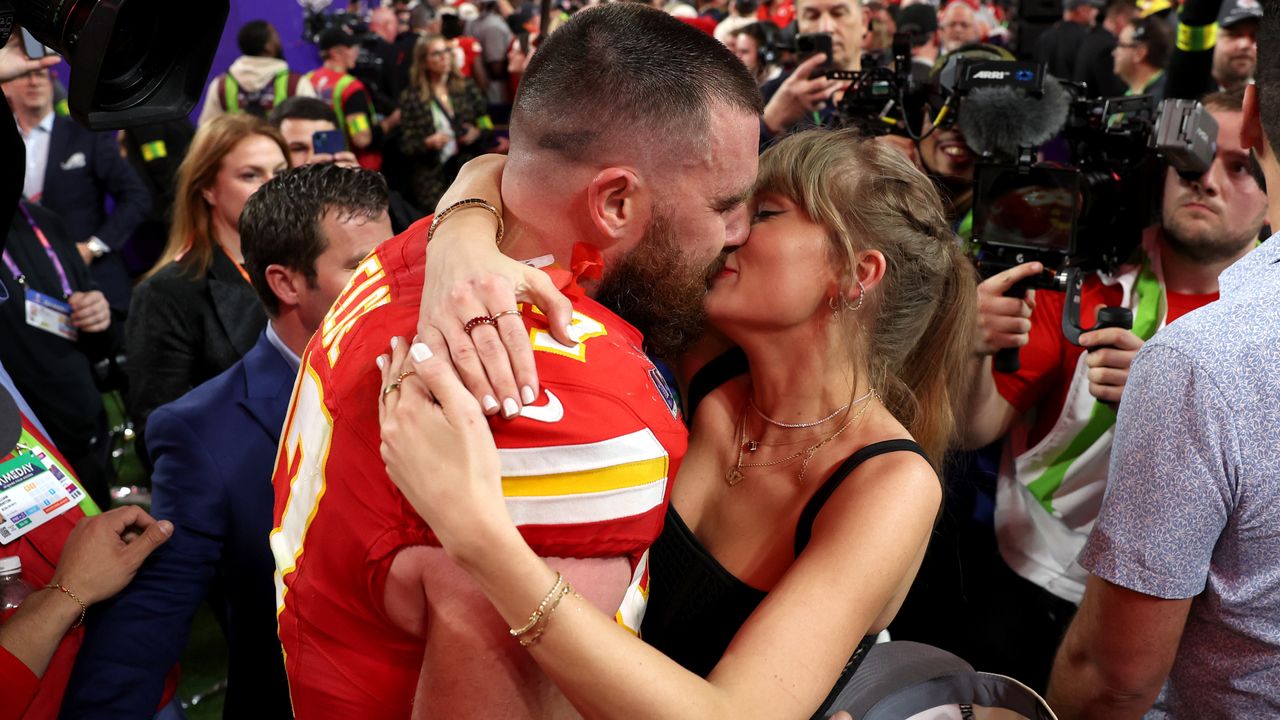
column 546, row 617
column 83, row 608
column 536, row 615
column 462, row 205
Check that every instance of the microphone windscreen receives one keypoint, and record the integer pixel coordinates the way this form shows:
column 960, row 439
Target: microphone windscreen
column 1001, row 119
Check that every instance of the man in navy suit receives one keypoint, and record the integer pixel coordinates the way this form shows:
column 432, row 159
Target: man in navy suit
column 302, row 234
column 71, row 171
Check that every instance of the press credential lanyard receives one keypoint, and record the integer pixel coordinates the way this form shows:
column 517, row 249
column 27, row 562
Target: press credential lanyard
column 48, row 250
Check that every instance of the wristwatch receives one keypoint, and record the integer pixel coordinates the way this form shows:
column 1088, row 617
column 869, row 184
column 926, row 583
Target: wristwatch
column 97, row 247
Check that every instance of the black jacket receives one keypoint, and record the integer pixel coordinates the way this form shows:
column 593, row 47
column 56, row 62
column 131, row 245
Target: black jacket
column 184, row 330
column 54, row 374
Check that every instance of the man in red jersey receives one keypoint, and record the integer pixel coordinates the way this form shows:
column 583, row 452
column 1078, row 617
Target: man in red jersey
column 374, row 619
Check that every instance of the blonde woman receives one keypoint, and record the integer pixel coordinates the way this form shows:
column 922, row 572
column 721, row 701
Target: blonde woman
column 444, row 120
column 195, row 314
column 803, row 507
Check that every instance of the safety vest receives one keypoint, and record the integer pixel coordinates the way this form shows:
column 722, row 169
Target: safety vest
column 236, row 100
column 334, row 97
column 1049, row 495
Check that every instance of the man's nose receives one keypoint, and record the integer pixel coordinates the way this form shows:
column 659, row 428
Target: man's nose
column 826, row 24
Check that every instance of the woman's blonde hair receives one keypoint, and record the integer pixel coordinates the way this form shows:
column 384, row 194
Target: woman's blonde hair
column 912, row 335
column 420, row 74
column 191, row 240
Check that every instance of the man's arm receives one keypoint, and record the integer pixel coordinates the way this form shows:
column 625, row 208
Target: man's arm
column 1117, row 653
column 115, row 175
column 1003, row 323
column 140, row 634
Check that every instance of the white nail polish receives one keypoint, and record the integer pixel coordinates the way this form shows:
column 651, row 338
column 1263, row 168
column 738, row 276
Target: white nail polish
column 419, row 352
column 489, row 404
column 382, row 363
column 394, row 342
column 509, row 408
column 527, row 395
column 575, row 334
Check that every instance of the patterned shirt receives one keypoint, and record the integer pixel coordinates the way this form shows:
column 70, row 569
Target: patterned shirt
column 1192, row 508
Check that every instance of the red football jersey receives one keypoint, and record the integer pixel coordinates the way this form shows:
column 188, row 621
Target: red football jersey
column 586, row 474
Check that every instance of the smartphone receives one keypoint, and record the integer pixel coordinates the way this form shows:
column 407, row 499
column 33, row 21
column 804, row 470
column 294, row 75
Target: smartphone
column 33, row 47
column 329, row 142
column 810, row 44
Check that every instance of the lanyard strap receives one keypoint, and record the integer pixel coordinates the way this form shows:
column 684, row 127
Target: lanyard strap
column 48, row 250
column 243, row 273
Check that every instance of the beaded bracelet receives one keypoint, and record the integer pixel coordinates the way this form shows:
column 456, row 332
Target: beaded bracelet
column 461, row 205
column 546, row 617
column 83, row 608
column 536, row 615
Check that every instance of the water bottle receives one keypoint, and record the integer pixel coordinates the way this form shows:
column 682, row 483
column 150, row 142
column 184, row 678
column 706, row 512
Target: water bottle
column 13, row 589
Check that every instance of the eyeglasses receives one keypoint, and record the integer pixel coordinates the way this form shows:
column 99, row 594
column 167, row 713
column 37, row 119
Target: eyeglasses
column 438, row 53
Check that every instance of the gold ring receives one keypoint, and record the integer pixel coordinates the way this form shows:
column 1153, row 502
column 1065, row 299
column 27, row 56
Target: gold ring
column 390, row 388
column 504, row 313
column 403, row 375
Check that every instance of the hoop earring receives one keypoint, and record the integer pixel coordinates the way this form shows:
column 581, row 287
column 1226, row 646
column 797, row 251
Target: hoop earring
column 834, row 303
column 862, row 295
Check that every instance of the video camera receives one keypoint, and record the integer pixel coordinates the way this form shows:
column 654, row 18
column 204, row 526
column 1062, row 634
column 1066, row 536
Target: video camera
column 128, row 65
column 1089, row 214
column 881, row 99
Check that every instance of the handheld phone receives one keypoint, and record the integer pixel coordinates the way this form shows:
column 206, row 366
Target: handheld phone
column 33, row 47
column 329, row 142
column 810, row 44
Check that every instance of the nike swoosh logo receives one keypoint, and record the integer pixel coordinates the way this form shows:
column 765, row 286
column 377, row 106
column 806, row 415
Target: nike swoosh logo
column 552, row 412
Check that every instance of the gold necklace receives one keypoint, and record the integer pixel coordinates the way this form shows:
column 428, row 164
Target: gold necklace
column 734, row 474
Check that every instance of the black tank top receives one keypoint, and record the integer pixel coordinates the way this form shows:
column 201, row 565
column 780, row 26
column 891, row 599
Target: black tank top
column 696, row 606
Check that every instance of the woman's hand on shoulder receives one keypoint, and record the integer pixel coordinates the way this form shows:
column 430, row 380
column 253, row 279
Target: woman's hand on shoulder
column 437, row 445
column 468, row 278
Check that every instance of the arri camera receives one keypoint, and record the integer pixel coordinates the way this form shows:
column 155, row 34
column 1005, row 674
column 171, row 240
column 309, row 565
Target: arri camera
column 1089, row 214
column 129, row 65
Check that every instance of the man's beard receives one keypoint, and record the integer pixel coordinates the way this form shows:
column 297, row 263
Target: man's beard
column 1204, row 246
column 659, row 292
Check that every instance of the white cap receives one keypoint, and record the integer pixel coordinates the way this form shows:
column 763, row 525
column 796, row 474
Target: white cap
column 10, row 565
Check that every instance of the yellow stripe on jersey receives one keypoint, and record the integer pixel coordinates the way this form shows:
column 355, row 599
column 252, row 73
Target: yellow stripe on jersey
column 304, row 444
column 614, row 477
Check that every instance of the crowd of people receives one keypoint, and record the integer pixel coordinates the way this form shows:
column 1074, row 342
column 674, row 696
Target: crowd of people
column 618, row 372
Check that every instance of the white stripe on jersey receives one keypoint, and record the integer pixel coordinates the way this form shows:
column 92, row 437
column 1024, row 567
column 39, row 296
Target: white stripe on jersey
column 556, row 459
column 587, row 507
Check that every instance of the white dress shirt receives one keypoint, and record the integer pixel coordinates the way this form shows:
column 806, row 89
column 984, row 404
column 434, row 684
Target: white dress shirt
column 37, row 158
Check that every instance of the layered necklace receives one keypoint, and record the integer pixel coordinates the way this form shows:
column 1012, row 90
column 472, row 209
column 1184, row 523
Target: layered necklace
column 747, row 445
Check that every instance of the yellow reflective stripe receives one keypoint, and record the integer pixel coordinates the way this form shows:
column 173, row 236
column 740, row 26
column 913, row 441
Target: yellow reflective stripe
column 590, row 481
column 358, row 123
column 1197, row 39
column 61, row 108
column 154, row 151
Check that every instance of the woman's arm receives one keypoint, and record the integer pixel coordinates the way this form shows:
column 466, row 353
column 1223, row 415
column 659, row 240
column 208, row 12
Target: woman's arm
column 467, row 276
column 782, row 662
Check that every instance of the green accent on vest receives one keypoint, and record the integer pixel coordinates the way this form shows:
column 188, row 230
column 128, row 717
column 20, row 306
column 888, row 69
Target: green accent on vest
column 61, row 108
column 1146, row 320
column 965, row 231
column 1197, row 39
column 231, row 91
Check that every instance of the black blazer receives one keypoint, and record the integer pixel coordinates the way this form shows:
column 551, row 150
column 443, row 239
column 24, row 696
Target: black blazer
column 84, row 167
column 183, row 331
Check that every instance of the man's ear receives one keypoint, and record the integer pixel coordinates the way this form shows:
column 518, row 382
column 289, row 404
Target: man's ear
column 620, row 205
column 1251, row 136
column 287, row 285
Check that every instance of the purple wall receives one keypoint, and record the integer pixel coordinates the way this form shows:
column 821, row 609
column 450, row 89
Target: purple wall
column 285, row 15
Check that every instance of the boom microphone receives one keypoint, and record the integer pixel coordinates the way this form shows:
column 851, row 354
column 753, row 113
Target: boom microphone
column 999, row 119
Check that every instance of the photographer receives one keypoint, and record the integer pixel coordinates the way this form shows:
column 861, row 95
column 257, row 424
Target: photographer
column 1057, row 411
column 806, row 98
